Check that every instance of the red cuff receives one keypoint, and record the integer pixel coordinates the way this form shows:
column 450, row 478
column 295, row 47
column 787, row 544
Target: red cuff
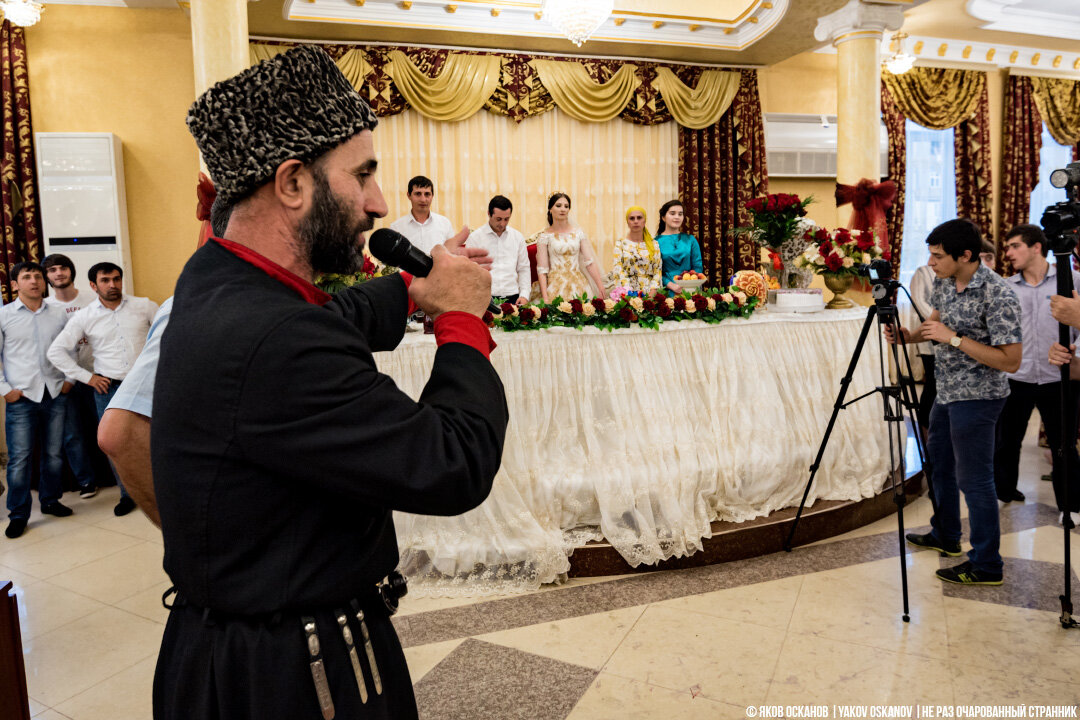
column 407, row 279
column 465, row 328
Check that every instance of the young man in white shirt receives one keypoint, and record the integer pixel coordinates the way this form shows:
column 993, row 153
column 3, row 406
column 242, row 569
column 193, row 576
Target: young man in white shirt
column 425, row 229
column 510, row 278
column 36, row 395
column 115, row 326
column 60, row 275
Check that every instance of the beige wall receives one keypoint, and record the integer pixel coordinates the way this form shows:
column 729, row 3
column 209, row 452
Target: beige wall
column 129, row 72
column 804, row 84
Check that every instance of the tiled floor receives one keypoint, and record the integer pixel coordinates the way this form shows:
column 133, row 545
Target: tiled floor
column 820, row 625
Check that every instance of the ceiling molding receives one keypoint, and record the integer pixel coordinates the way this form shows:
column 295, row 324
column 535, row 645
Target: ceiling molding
column 523, row 18
column 1058, row 18
column 504, row 51
column 936, row 51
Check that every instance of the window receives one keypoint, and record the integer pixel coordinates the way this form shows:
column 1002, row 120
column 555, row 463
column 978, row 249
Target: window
column 1052, row 157
column 930, row 192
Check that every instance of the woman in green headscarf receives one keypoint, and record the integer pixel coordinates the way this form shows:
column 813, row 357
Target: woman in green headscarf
column 637, row 258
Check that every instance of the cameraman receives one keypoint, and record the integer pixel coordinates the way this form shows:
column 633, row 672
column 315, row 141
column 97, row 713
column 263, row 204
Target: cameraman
column 976, row 321
column 1037, row 383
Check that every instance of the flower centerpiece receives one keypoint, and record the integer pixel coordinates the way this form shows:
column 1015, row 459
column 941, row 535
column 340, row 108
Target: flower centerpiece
column 626, row 308
column 334, row 282
column 779, row 224
column 837, row 256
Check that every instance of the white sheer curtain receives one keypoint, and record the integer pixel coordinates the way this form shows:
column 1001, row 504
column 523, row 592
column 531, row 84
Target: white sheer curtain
column 1051, row 157
column 930, row 192
column 604, row 167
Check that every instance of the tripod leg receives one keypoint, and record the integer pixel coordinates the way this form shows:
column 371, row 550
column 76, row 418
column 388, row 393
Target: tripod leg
column 895, row 417
column 912, row 404
column 1068, row 435
column 871, row 313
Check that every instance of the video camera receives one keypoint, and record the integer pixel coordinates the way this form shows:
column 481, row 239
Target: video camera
column 1061, row 221
column 880, row 273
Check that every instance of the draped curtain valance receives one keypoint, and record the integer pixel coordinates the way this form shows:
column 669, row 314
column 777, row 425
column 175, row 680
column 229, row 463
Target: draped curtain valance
column 1058, row 101
column 452, row 85
column 936, row 98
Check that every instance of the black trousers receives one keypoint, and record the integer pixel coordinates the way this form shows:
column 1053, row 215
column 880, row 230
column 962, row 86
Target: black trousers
column 253, row 670
column 1012, row 426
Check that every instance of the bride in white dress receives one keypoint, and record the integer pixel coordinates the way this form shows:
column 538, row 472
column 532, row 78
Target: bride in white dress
column 562, row 253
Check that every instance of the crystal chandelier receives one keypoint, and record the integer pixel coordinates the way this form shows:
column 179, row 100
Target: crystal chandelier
column 577, row 19
column 899, row 62
column 23, row 13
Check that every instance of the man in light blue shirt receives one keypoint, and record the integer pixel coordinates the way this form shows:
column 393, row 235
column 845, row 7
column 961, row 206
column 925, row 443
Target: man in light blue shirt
column 124, row 432
column 1037, row 383
column 35, row 393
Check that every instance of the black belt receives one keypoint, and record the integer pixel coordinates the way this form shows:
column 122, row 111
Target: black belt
column 383, row 598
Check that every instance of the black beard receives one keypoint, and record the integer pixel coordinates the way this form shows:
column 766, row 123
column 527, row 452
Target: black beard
column 328, row 232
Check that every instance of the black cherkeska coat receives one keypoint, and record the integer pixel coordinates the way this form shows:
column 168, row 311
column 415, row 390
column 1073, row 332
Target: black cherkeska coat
column 279, row 451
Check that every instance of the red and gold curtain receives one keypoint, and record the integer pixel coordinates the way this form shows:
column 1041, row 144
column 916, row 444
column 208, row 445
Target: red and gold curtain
column 720, row 168
column 895, row 126
column 1021, row 145
column 939, row 98
column 18, row 193
column 971, row 156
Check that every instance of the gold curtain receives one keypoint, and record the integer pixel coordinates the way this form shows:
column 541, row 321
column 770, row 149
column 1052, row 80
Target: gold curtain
column 459, row 91
column 355, row 67
column 580, row 97
column 604, row 167
column 702, row 106
column 1058, row 101
column 257, row 52
column 352, row 63
column 936, row 98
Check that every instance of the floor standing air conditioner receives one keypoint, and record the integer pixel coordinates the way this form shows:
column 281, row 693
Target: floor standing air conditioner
column 83, row 212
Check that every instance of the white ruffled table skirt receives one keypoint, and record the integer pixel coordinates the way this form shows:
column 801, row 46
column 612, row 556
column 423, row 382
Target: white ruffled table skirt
column 644, row 437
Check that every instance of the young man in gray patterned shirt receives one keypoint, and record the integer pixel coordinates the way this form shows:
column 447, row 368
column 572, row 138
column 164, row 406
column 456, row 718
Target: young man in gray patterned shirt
column 976, row 323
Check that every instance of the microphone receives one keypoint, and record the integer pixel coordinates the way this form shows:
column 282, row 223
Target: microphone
column 392, row 248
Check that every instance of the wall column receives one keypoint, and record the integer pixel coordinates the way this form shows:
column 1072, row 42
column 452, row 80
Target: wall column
column 856, row 31
column 219, row 38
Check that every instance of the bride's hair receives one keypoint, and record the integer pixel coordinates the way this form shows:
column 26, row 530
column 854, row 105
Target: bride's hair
column 551, row 203
column 663, row 211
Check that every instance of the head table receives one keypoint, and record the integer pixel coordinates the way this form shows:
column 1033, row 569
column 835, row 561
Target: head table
column 643, row 437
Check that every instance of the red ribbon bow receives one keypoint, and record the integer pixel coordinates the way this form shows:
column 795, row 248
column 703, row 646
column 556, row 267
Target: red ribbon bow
column 869, row 201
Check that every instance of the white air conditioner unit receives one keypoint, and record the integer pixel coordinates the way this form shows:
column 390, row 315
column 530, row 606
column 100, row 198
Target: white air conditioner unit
column 83, row 211
column 805, row 145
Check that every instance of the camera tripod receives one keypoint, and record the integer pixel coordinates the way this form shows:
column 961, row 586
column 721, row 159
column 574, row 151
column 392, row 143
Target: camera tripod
column 895, row 399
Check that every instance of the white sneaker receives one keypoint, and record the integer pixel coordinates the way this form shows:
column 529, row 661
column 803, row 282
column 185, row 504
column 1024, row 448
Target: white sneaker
column 87, row 493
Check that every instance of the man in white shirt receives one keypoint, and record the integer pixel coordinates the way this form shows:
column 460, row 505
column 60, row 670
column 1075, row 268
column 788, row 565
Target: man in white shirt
column 35, row 393
column 115, row 326
column 423, row 228
column 510, row 278
column 79, row 421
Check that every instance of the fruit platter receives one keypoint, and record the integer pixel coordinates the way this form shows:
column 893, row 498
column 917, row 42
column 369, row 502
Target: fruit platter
column 690, row 280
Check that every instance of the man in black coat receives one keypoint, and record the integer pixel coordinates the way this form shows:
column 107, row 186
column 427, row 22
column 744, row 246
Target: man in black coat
column 279, row 450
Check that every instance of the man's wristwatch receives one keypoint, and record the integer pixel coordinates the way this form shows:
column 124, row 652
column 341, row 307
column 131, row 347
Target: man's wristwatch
column 955, row 342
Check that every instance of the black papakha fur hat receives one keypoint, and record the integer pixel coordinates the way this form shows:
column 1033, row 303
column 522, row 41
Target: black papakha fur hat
column 296, row 105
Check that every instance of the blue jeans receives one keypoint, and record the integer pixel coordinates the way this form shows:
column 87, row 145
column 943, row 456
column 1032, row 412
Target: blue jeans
column 26, row 422
column 961, row 450
column 101, row 402
column 74, row 442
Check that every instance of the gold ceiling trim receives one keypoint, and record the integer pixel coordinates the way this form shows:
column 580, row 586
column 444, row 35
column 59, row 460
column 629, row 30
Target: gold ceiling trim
column 459, row 29
column 636, row 13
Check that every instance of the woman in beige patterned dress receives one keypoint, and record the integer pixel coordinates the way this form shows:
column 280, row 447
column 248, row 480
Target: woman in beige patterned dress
column 562, row 252
column 637, row 257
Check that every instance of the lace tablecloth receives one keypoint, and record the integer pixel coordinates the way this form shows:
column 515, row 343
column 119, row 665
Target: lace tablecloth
column 644, row 437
